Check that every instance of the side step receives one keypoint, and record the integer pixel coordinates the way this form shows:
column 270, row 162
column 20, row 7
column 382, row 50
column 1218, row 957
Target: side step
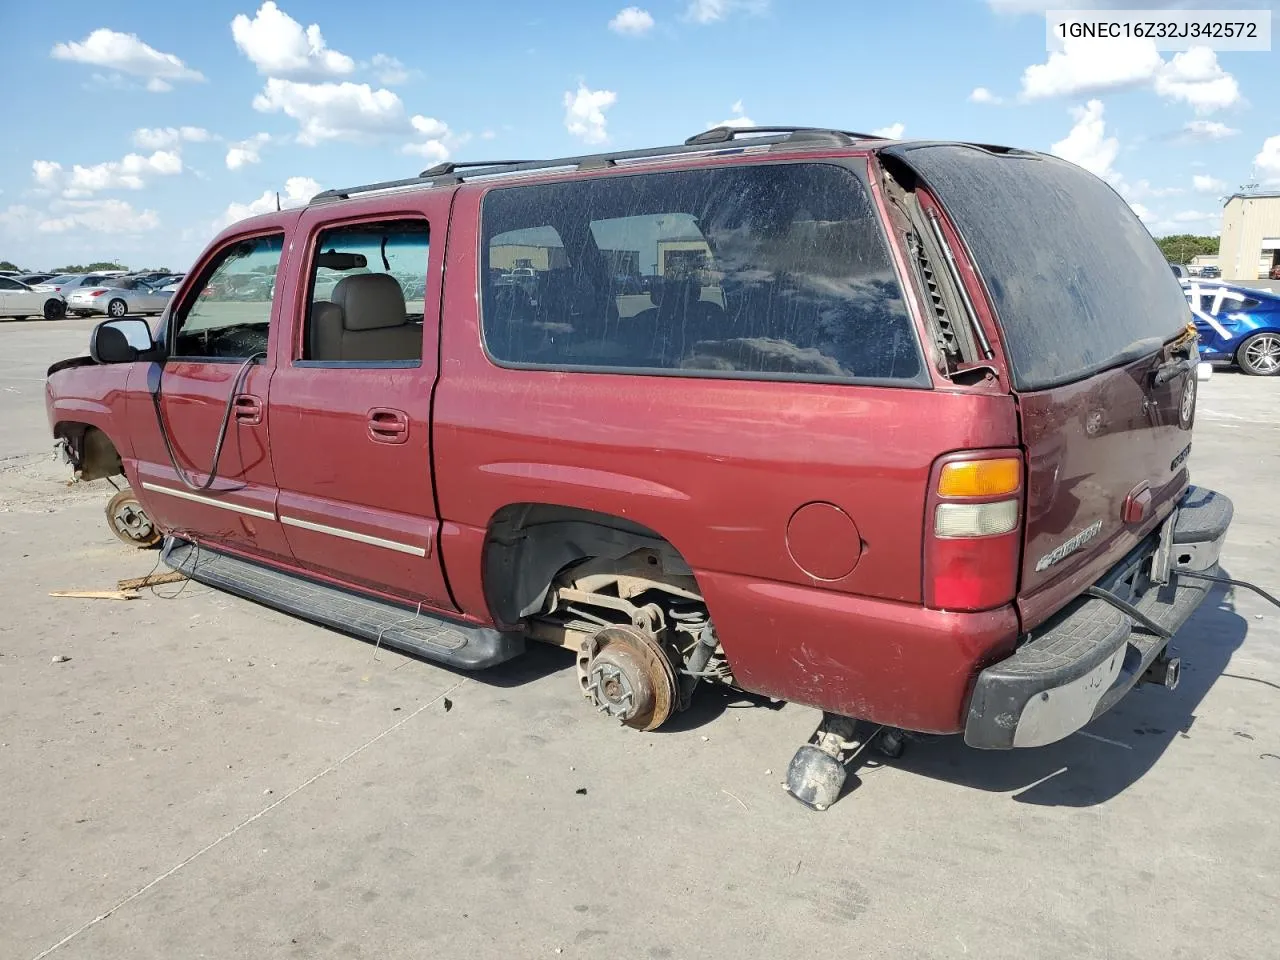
column 458, row 645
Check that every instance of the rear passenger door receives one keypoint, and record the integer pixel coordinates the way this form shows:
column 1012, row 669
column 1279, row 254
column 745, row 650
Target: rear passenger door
column 351, row 401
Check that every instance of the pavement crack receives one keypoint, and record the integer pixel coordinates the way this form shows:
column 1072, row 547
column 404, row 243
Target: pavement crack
column 244, row 823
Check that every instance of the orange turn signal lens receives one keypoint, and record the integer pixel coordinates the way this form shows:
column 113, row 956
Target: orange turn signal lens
column 980, row 478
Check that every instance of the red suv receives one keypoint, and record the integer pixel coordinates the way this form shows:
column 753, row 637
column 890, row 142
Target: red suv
column 827, row 418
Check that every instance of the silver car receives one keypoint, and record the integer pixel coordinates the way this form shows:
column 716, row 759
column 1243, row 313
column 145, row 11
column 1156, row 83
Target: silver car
column 68, row 283
column 117, row 297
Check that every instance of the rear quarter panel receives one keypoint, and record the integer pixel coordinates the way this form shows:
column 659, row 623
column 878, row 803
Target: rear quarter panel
column 717, row 467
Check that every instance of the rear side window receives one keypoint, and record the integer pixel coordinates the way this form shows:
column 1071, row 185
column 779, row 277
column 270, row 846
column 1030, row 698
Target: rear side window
column 776, row 271
column 1077, row 282
column 368, row 288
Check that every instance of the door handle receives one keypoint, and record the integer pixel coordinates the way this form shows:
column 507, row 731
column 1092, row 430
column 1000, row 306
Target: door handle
column 388, row 426
column 248, row 409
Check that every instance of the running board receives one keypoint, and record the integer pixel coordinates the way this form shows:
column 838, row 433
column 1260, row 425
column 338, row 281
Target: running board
column 458, row 645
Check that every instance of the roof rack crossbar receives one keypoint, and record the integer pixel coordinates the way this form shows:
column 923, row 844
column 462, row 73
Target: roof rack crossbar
column 706, row 142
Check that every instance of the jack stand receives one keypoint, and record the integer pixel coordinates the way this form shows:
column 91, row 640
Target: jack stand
column 818, row 770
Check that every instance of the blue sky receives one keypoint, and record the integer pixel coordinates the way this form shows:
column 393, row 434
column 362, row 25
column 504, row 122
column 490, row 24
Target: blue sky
column 134, row 131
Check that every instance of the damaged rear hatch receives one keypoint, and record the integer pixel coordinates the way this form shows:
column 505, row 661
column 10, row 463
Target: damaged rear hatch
column 1095, row 330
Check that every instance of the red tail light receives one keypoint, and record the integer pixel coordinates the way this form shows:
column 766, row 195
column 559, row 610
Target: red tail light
column 973, row 530
column 97, row 293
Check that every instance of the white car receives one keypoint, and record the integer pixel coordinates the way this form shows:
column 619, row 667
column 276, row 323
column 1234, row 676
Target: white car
column 19, row 301
column 118, row 297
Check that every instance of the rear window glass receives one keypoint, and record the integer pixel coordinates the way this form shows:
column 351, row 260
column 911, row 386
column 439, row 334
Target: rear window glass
column 762, row 271
column 1077, row 282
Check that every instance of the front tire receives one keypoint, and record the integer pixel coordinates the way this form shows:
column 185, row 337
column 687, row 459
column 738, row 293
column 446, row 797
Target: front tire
column 117, row 308
column 1259, row 355
column 54, row 309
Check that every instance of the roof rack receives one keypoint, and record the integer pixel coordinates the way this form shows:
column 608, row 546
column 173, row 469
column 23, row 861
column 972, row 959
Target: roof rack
column 726, row 134
column 449, row 173
column 449, row 166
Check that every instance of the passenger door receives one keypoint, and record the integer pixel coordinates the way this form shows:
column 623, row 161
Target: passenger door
column 19, row 300
column 218, row 353
column 351, row 402
column 8, row 306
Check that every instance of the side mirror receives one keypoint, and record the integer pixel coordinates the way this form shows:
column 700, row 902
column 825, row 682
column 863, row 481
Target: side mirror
column 120, row 341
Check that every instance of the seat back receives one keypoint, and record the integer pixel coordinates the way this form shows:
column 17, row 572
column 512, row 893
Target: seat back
column 366, row 320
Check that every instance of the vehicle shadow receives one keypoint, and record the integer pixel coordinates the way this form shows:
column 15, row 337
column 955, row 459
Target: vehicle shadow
column 1117, row 749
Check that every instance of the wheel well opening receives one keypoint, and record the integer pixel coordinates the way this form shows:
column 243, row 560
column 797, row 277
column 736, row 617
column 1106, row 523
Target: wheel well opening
column 530, row 544
column 91, row 451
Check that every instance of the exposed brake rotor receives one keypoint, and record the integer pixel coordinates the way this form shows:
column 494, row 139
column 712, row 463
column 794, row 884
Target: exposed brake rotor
column 628, row 675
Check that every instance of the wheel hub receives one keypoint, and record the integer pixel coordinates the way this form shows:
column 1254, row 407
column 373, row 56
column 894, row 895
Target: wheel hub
column 628, row 675
column 130, row 520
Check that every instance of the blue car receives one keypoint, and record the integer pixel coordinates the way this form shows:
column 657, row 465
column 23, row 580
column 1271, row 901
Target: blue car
column 1237, row 325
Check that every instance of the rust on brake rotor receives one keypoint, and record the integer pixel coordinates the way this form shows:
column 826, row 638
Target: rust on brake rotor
column 627, row 674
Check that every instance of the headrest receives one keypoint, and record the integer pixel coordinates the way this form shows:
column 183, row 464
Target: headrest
column 370, row 301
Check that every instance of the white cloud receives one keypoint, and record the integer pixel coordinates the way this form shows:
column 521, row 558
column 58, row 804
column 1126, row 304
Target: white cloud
column 1206, row 130
column 1092, row 66
column 584, row 113
column 632, row 21
column 160, row 138
column 126, row 53
column 279, row 46
column 1207, row 184
column 332, row 111
column 296, row 192
column 1087, row 144
column 738, row 118
column 1144, row 214
column 245, row 152
column 1195, row 77
column 488, row 134
column 1086, row 66
column 129, row 173
column 389, row 70
column 983, row 95
column 1143, row 189
column 1194, row 216
column 893, row 131
column 1267, row 162
column 713, row 11
column 99, row 216
column 438, row 141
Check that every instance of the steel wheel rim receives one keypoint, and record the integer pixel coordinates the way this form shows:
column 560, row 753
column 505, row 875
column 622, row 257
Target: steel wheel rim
column 1263, row 353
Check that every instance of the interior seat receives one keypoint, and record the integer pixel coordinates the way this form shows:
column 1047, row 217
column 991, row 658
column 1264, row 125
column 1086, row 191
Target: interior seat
column 366, row 320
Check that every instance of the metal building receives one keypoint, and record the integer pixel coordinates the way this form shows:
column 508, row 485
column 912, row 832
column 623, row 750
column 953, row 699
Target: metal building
column 1250, row 246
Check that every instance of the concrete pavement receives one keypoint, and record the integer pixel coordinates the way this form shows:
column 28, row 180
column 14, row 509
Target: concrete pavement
column 208, row 778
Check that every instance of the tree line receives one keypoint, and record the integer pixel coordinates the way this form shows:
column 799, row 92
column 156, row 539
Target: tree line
column 1181, row 247
column 82, row 267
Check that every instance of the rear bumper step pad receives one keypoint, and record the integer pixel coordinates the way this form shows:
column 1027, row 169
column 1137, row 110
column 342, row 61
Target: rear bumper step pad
column 1092, row 654
column 458, row 645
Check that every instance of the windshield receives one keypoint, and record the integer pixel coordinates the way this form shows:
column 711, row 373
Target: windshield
column 1075, row 277
column 65, row 278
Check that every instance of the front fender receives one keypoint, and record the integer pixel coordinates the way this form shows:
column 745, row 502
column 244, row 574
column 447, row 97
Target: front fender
column 79, row 395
